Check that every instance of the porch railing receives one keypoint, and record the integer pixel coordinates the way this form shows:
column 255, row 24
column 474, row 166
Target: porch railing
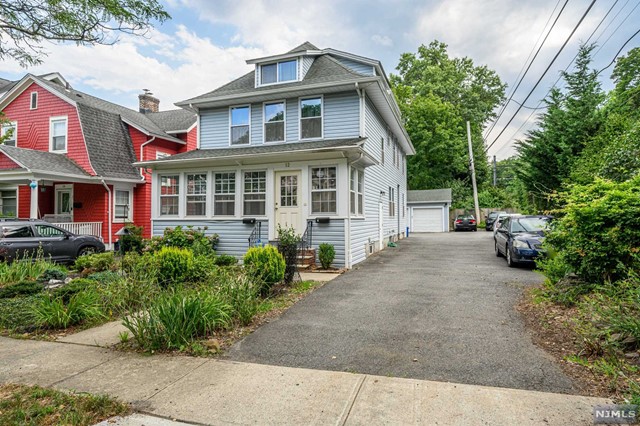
column 256, row 235
column 82, row 228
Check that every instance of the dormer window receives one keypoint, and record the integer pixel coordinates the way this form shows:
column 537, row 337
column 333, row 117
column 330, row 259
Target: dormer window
column 279, row 72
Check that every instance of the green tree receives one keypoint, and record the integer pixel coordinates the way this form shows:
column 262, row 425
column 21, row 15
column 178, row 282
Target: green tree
column 437, row 94
column 26, row 24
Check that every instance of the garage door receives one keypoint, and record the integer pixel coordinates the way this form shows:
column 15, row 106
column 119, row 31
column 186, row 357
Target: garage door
column 427, row 220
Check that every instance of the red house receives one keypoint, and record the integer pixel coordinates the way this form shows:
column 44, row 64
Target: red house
column 67, row 156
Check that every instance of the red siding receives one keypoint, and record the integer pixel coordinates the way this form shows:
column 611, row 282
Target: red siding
column 33, row 125
column 7, row 163
column 24, row 201
column 191, row 139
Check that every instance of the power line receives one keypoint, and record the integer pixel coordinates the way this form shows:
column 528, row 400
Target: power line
column 616, row 56
column 513, row 92
column 545, row 72
column 616, row 29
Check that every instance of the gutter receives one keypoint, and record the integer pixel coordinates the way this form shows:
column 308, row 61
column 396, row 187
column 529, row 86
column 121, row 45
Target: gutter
column 109, row 221
column 142, row 157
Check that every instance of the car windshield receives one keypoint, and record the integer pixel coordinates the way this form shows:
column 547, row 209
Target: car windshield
column 529, row 224
column 465, row 217
column 493, row 215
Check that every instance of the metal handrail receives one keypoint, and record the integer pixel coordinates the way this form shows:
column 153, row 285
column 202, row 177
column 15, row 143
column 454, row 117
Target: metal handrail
column 256, row 235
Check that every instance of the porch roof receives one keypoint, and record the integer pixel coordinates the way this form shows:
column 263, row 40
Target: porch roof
column 41, row 162
column 261, row 153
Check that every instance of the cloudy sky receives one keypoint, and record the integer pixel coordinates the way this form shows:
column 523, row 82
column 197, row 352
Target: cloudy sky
column 206, row 43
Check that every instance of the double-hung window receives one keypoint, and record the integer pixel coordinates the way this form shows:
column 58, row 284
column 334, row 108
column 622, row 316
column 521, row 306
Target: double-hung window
column 58, row 132
column 356, row 191
column 392, row 201
column 122, row 204
column 311, row 118
column 240, row 117
column 169, row 195
column 224, row 194
column 8, row 203
column 196, row 194
column 9, row 133
column 324, row 192
column 255, row 193
column 274, row 122
column 279, row 72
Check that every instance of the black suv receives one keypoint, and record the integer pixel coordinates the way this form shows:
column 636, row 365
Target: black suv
column 21, row 238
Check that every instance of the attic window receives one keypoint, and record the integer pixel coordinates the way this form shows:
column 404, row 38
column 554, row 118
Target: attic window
column 34, row 100
column 279, row 72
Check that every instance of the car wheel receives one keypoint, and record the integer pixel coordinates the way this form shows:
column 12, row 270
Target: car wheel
column 510, row 262
column 86, row 250
column 498, row 254
column 475, row 229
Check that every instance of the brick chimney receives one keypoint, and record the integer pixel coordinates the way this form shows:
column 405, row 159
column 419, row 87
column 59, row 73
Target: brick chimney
column 147, row 102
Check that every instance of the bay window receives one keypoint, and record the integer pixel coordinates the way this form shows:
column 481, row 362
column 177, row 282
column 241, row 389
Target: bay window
column 196, row 194
column 311, row 118
column 169, row 195
column 224, row 194
column 274, row 122
column 255, row 193
column 323, row 190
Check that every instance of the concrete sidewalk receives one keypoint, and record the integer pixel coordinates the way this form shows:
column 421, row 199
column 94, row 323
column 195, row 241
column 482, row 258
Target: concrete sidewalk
column 210, row 391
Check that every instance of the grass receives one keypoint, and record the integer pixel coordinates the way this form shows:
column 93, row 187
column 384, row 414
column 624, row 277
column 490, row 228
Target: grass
column 24, row 270
column 33, row 405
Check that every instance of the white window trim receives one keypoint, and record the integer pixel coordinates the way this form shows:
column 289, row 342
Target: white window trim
column 13, row 124
column 266, row 192
column 264, row 123
column 129, row 217
column 13, row 188
column 231, row 125
column 185, row 194
column 31, row 107
column 337, row 191
column 59, row 188
column 356, row 192
column 261, row 84
column 235, row 195
column 66, row 126
column 321, row 117
column 179, row 195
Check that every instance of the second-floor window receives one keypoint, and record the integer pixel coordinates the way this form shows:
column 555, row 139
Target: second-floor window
column 240, row 125
column 58, row 132
column 311, row 118
column 279, row 72
column 274, row 122
column 10, row 134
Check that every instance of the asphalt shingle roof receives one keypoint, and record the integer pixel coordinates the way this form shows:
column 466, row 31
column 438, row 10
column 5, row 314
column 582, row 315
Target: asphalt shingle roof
column 262, row 149
column 429, row 195
column 304, row 46
column 324, row 69
column 174, row 120
column 43, row 161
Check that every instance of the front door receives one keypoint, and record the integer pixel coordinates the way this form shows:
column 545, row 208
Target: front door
column 64, row 201
column 287, row 200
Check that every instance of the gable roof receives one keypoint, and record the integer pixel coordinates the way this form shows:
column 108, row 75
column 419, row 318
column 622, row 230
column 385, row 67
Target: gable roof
column 42, row 161
column 429, row 196
column 303, row 47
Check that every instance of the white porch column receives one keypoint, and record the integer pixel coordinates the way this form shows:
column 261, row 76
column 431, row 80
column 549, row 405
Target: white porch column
column 33, row 211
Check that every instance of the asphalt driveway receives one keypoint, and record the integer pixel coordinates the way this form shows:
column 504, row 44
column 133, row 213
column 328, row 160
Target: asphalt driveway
column 437, row 307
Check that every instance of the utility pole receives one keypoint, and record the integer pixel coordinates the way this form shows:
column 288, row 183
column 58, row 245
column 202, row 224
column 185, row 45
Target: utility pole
column 473, row 174
column 495, row 172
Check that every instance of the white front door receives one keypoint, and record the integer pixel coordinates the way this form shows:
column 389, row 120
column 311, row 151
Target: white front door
column 287, row 201
column 64, row 200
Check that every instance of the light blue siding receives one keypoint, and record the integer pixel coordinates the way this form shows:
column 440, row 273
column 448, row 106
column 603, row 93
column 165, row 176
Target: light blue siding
column 356, row 66
column 214, row 128
column 341, row 115
column 306, row 64
column 291, row 118
column 256, row 124
column 331, row 233
column 234, row 235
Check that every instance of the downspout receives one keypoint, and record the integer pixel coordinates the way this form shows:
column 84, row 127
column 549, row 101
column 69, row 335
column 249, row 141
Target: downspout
column 141, row 154
column 361, row 132
column 108, row 209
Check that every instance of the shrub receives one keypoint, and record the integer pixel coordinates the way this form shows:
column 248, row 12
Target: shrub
column 202, row 268
column 95, row 262
column 174, row 265
column 240, row 293
column 23, row 288
column 132, row 240
column 25, row 269
column 225, row 260
column 326, row 255
column 177, row 318
column 67, row 291
column 53, row 274
column 193, row 239
column 288, row 242
column 53, row 312
column 598, row 234
column 265, row 264
column 105, row 277
column 140, row 268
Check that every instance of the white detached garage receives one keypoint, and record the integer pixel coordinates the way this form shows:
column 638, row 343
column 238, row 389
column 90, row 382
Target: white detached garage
column 429, row 210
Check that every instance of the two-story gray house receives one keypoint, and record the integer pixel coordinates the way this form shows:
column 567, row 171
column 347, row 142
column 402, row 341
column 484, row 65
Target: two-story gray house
column 310, row 138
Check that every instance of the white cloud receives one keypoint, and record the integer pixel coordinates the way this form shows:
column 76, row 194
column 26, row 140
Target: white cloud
column 385, row 41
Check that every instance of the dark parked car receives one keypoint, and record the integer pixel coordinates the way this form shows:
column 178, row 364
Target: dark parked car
column 465, row 223
column 520, row 238
column 490, row 219
column 21, row 238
